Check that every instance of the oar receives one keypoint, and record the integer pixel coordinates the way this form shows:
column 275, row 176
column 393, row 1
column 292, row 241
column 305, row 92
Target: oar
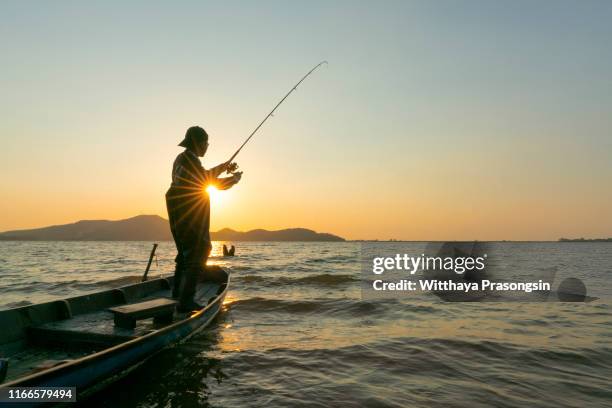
column 144, row 277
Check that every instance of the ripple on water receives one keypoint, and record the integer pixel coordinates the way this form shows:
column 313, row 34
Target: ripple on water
column 295, row 331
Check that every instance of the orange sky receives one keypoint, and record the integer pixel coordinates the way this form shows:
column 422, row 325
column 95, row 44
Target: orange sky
column 427, row 123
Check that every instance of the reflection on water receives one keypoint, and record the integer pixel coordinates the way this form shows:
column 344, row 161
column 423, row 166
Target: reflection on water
column 294, row 331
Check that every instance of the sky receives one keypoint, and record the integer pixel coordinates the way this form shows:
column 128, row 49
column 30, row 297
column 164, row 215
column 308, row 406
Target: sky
column 434, row 120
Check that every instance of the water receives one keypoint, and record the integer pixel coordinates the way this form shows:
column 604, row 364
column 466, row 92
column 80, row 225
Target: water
column 295, row 332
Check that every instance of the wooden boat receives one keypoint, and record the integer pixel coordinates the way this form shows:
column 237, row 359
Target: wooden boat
column 91, row 340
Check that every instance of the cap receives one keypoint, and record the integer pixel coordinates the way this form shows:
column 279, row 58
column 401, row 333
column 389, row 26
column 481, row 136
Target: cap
column 194, row 133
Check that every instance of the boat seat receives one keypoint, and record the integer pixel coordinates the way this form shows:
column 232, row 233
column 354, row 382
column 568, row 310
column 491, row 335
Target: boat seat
column 161, row 310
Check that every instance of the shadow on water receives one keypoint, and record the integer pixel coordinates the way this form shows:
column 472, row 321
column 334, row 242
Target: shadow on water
column 175, row 377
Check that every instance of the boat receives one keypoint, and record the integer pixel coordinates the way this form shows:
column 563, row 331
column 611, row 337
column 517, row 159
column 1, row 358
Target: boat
column 89, row 341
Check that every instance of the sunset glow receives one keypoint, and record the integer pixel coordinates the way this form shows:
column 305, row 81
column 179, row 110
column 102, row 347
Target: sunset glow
column 448, row 140
column 214, row 194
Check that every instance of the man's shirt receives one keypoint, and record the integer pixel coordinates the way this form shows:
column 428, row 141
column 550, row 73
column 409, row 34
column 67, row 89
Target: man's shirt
column 187, row 199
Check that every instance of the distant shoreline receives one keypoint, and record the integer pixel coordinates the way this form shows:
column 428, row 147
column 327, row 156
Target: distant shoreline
column 155, row 228
column 585, row 239
column 151, row 228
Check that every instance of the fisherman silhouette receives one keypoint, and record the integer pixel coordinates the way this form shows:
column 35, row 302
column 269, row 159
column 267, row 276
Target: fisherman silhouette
column 229, row 252
column 189, row 212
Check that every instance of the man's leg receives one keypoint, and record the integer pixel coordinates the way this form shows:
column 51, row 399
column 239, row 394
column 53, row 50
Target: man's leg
column 178, row 273
column 188, row 288
column 195, row 259
column 175, row 228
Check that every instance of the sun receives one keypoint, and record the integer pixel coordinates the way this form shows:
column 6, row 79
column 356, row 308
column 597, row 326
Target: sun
column 212, row 190
column 215, row 195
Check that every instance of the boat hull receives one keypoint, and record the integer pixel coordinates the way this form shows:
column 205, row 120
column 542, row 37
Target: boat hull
column 97, row 370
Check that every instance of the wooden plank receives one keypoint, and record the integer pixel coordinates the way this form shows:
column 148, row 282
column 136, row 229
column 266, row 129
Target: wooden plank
column 149, row 308
column 162, row 310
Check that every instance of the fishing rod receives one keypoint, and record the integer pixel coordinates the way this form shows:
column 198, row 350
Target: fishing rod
column 272, row 111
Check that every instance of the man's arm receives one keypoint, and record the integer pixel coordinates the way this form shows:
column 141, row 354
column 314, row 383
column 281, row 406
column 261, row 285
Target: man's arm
column 224, row 183
column 218, row 170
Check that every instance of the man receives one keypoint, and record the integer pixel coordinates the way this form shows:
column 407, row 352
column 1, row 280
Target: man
column 189, row 212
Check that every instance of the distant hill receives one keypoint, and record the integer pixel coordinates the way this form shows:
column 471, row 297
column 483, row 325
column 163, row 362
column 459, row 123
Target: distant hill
column 140, row 228
column 292, row 234
column 150, row 228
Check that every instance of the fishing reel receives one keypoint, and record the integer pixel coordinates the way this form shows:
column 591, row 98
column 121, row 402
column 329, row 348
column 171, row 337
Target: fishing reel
column 231, row 168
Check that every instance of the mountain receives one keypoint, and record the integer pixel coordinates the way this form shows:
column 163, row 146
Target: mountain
column 150, row 228
column 292, row 234
column 140, row 228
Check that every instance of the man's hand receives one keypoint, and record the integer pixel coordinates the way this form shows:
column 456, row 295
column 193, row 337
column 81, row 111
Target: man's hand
column 237, row 176
column 223, row 183
column 224, row 167
column 227, row 167
column 231, row 167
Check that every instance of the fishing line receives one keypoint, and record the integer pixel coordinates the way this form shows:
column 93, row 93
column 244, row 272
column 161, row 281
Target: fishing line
column 272, row 111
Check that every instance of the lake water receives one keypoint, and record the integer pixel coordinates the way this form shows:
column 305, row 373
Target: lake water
column 296, row 332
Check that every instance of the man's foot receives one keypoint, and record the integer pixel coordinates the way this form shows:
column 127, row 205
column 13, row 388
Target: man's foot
column 190, row 307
